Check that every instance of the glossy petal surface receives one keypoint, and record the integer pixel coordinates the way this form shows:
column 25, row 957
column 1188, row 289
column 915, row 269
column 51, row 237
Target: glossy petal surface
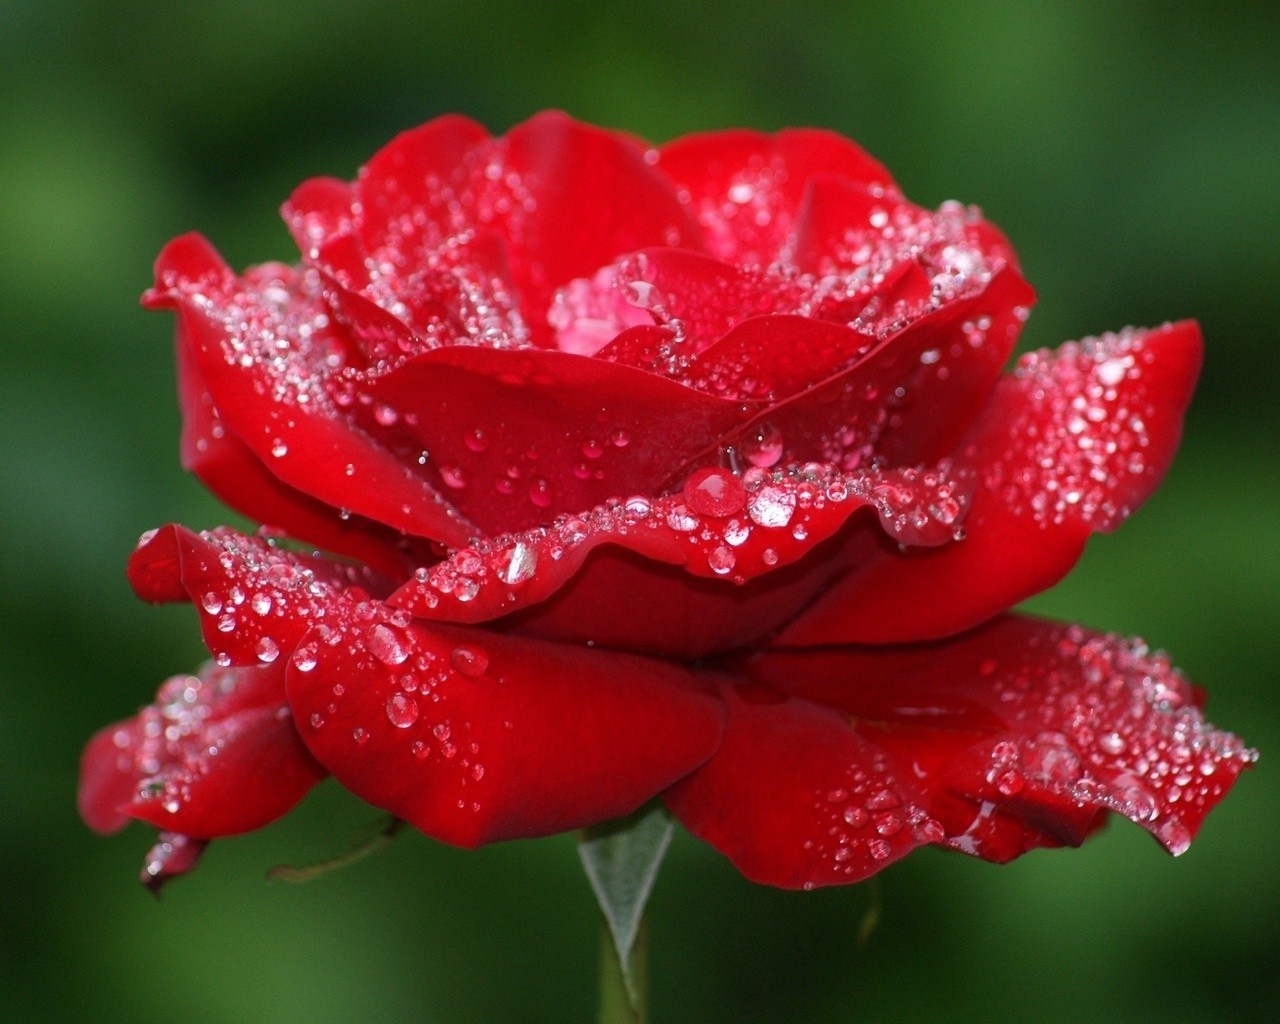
column 214, row 755
column 1071, row 442
column 1017, row 735
column 474, row 737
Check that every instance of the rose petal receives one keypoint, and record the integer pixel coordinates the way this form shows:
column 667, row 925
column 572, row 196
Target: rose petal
column 1070, row 443
column 1018, row 735
column 745, row 187
column 516, row 437
column 740, row 532
column 843, row 225
column 474, row 737
column 254, row 601
column 216, row 754
column 264, row 350
column 231, row 471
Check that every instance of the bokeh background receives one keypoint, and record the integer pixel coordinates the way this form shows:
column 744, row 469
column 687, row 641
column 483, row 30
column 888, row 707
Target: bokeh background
column 1131, row 151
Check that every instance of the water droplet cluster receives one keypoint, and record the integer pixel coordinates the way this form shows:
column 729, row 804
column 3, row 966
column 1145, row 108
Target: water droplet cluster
column 176, row 741
column 1078, row 447
column 870, row 817
column 1107, row 723
column 718, row 524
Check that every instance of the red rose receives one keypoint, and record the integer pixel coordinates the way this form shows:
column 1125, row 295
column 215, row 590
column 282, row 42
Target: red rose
column 686, row 471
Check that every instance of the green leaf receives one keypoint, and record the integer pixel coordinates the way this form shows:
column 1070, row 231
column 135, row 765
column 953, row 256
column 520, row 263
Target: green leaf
column 622, row 859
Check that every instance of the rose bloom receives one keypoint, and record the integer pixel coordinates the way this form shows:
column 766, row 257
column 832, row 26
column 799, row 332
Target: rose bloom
column 592, row 472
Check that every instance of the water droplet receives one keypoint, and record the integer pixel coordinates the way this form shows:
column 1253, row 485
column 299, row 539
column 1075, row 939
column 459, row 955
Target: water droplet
column 518, row 564
column 1112, row 743
column 469, row 660
column 453, row 476
column 856, row 816
column 540, row 493
column 387, row 645
column 763, row 446
column 772, row 505
column 267, row 650
column 714, row 492
column 385, row 415
column 721, row 560
column 476, row 440
column 305, row 658
column 402, row 710
column 360, row 735
column 279, row 449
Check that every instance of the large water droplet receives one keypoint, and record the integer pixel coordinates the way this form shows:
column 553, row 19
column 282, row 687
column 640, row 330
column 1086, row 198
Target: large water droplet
column 714, row 492
column 402, row 710
column 763, row 446
column 387, row 645
column 469, row 660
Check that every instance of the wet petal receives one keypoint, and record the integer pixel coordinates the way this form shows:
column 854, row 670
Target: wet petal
column 474, row 737
column 1071, row 442
column 216, row 754
column 230, row 470
column 517, row 437
column 254, row 601
column 745, row 187
column 266, row 351
column 741, row 532
column 1019, row 735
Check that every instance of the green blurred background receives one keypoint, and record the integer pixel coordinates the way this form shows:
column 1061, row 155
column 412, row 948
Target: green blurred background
column 1132, row 153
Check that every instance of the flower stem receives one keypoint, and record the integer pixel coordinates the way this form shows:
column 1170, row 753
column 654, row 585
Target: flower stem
column 620, row 1002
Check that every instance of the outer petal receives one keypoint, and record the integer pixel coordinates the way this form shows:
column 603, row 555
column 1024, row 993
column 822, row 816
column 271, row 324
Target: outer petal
column 759, row 547
column 230, row 470
column 216, row 754
column 474, row 737
column 264, row 349
column 254, row 601
column 1070, row 443
column 745, row 187
column 1020, row 734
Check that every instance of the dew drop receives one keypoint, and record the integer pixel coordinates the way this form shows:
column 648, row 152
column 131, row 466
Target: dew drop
column 721, row 560
column 856, row 816
column 540, row 493
column 453, row 476
column 763, row 446
column 469, row 660
column 772, row 506
column 402, row 710
column 714, row 492
column 267, row 650
column 387, row 645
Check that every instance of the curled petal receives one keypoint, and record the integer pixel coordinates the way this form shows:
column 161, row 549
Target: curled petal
column 1021, row 734
column 267, row 353
column 254, row 601
column 716, row 527
column 474, row 737
column 230, row 470
column 216, row 754
column 1070, row 443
